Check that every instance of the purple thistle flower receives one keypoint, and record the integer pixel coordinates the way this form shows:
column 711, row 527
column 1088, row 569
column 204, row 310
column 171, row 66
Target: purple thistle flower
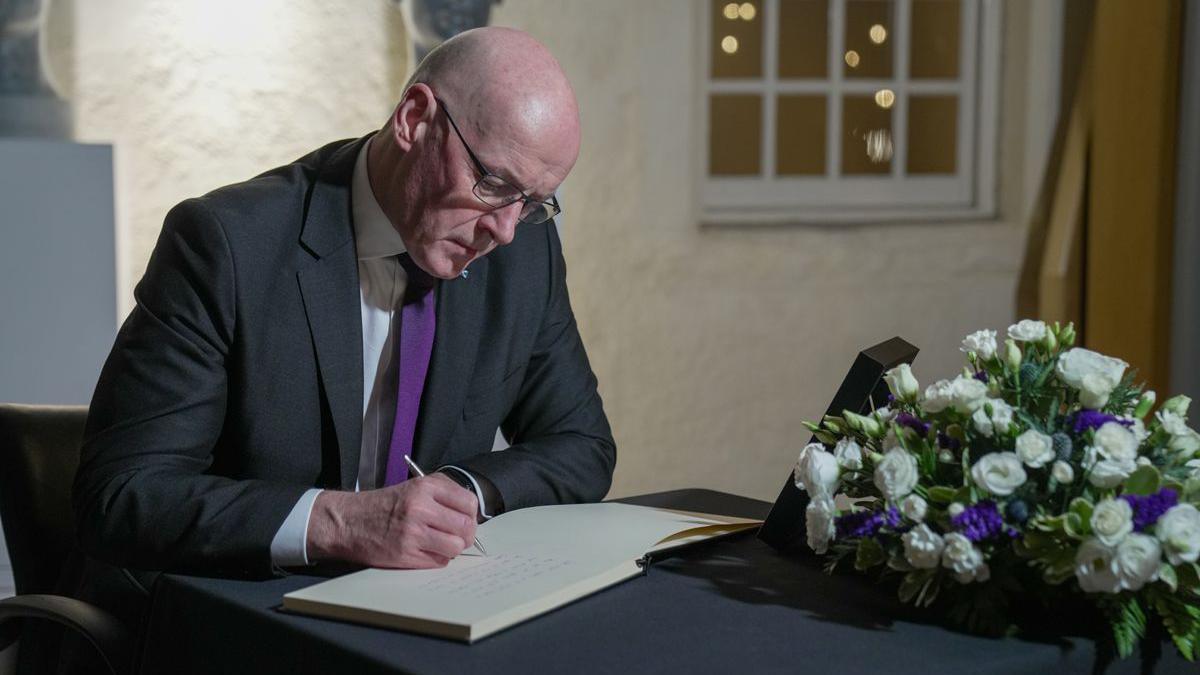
column 981, row 375
column 866, row 523
column 1147, row 509
column 1094, row 419
column 948, row 442
column 912, row 422
column 979, row 522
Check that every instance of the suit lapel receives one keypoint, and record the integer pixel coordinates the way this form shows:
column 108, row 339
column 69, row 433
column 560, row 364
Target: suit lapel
column 460, row 306
column 330, row 290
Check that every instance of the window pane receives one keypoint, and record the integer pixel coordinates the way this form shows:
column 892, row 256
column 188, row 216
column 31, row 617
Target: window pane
column 803, row 38
column 734, row 134
column 935, row 29
column 736, row 40
column 866, row 135
column 932, row 134
column 800, row 139
column 869, row 38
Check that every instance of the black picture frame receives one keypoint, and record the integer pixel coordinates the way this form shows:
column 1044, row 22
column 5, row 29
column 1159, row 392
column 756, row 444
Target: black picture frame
column 784, row 527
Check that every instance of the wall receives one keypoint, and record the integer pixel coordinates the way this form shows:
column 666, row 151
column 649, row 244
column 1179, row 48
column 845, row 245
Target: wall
column 711, row 345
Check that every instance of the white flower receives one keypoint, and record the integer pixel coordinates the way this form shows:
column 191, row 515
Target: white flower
column 818, row 523
column 998, row 421
column 914, row 507
column 966, row 561
column 1027, row 330
column 1035, row 448
column 817, row 471
column 923, row 547
column 1096, row 569
column 944, row 455
column 982, row 342
column 1137, row 428
column 885, row 414
column 1194, row 465
column 999, row 473
column 1113, row 441
column 848, row 454
column 1062, row 472
column 938, row 396
column 1185, row 444
column 1076, row 365
column 1179, row 531
column 1112, row 519
column 956, row 509
column 967, row 394
column 1109, row 473
column 896, row 474
column 1138, row 559
column 1174, row 424
column 902, row 383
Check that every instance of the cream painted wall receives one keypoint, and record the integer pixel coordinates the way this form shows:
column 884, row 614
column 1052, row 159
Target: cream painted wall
column 711, row 345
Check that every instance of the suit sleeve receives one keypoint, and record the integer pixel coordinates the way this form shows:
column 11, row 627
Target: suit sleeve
column 562, row 447
column 142, row 497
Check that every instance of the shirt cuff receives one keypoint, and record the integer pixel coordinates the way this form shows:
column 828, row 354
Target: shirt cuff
column 474, row 488
column 289, row 548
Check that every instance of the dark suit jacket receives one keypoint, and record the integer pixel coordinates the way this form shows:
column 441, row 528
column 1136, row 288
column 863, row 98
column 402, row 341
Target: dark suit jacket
column 236, row 382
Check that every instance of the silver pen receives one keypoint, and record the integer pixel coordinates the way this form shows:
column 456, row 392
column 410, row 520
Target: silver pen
column 416, row 469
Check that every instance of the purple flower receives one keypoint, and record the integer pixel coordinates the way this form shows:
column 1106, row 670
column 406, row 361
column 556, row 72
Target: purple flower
column 1147, row 509
column 912, row 422
column 1094, row 419
column 866, row 523
column 948, row 442
column 981, row 375
column 980, row 521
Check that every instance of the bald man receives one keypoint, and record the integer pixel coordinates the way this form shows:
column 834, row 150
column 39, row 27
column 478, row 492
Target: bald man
column 297, row 335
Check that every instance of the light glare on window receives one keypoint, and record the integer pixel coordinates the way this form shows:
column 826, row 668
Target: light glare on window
column 729, row 44
column 884, row 98
column 879, row 145
column 852, row 58
column 878, row 34
column 731, row 11
column 746, row 11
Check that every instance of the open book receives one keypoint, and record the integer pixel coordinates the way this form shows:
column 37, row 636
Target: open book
column 539, row 559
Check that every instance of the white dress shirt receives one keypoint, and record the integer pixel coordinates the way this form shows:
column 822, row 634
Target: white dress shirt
column 382, row 281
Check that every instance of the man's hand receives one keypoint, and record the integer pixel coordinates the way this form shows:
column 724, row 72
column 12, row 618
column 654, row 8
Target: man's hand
column 420, row 523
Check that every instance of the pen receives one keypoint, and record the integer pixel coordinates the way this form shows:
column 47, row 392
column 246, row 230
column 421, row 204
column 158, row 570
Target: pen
column 413, row 465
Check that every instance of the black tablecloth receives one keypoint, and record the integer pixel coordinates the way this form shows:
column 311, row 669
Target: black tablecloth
column 728, row 606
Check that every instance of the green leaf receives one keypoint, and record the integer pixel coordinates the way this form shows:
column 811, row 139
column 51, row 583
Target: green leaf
column 811, row 426
column 1166, row 574
column 1144, row 481
column 870, row 554
column 1075, row 526
column 912, row 584
column 1189, row 577
column 940, row 494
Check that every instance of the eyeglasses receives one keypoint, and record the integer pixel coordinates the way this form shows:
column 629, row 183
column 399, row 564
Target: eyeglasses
column 497, row 192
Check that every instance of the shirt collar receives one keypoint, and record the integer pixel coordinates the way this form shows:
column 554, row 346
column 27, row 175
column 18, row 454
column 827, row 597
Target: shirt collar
column 374, row 235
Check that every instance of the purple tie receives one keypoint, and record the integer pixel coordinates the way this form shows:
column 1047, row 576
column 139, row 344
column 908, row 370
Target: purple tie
column 418, row 318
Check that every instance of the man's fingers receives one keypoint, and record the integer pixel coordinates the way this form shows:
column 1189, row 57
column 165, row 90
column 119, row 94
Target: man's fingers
column 450, row 521
column 451, row 494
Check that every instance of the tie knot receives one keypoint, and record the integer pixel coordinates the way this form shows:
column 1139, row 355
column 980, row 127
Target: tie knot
column 419, row 281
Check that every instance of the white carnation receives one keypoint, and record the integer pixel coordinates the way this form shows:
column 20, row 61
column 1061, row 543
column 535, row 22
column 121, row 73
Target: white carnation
column 1179, row 531
column 1138, row 559
column 967, row 394
column 1000, row 473
column 1112, row 519
column 818, row 523
column 1062, row 472
column 1035, row 448
column 982, row 342
column 961, row 557
column 1096, row 569
column 1093, row 374
column 1113, row 441
column 914, row 507
column 1027, row 330
column 998, row 422
column 896, row 474
column 938, row 396
column 848, row 454
column 923, row 547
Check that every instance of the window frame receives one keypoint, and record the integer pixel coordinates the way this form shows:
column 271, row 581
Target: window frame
column 833, row 197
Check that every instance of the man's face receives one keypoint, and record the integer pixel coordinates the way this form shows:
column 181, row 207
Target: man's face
column 446, row 226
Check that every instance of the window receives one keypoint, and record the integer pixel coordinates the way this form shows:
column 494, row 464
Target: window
column 843, row 110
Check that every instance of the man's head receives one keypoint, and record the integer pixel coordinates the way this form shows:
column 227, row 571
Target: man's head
column 514, row 108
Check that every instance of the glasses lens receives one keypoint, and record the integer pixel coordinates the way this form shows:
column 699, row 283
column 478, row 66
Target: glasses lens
column 537, row 212
column 495, row 191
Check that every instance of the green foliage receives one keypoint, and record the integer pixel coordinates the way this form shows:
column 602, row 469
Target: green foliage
column 1182, row 621
column 870, row 554
column 941, row 494
column 920, row 587
column 1127, row 620
column 1124, row 396
column 1144, row 481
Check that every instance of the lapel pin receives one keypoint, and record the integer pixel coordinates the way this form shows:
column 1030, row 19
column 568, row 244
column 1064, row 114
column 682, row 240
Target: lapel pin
column 465, row 273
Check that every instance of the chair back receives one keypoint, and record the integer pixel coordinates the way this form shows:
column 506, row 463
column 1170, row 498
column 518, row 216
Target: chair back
column 39, row 453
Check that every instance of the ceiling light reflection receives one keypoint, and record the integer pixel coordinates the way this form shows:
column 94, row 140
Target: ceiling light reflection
column 731, row 11
column 884, row 98
column 878, row 34
column 879, row 145
column 746, row 11
column 729, row 44
column 852, row 58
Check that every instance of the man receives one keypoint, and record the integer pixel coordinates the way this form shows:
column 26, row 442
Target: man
column 296, row 335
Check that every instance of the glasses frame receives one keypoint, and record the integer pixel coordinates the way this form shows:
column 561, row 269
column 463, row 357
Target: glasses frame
column 550, row 205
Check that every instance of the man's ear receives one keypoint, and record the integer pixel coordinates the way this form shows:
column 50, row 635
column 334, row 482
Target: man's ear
column 413, row 116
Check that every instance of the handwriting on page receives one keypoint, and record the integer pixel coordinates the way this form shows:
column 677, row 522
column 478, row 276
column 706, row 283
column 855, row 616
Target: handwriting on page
column 493, row 574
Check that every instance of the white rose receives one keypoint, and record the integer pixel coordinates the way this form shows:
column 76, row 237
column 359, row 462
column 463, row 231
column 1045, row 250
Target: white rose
column 1027, row 330
column 1112, row 519
column 999, row 473
column 1035, row 448
column 817, row 471
column 896, row 474
column 1074, row 365
column 1096, row 569
column 938, row 396
column 960, row 556
column 982, row 342
column 923, row 547
column 914, row 507
column 1109, row 473
column 1179, row 531
column 1138, row 559
column 1113, row 441
column 998, row 421
column 1174, row 424
column 1062, row 472
column 967, row 394
column 848, row 454
column 1094, row 392
column 818, row 523
column 902, row 383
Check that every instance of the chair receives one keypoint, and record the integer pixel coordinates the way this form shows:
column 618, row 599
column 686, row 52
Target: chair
column 39, row 453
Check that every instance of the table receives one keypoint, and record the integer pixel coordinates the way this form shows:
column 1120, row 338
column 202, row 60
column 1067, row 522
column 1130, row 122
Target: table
column 734, row 605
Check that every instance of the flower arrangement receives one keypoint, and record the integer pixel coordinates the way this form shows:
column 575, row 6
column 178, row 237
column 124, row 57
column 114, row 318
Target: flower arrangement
column 1038, row 472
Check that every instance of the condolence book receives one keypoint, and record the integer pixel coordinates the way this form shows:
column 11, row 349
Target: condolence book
column 539, row 559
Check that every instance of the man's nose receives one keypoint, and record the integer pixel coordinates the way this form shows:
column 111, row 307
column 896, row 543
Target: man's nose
column 502, row 222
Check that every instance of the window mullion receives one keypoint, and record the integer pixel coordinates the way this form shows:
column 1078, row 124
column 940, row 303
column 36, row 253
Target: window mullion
column 770, row 81
column 903, row 34
column 837, row 48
